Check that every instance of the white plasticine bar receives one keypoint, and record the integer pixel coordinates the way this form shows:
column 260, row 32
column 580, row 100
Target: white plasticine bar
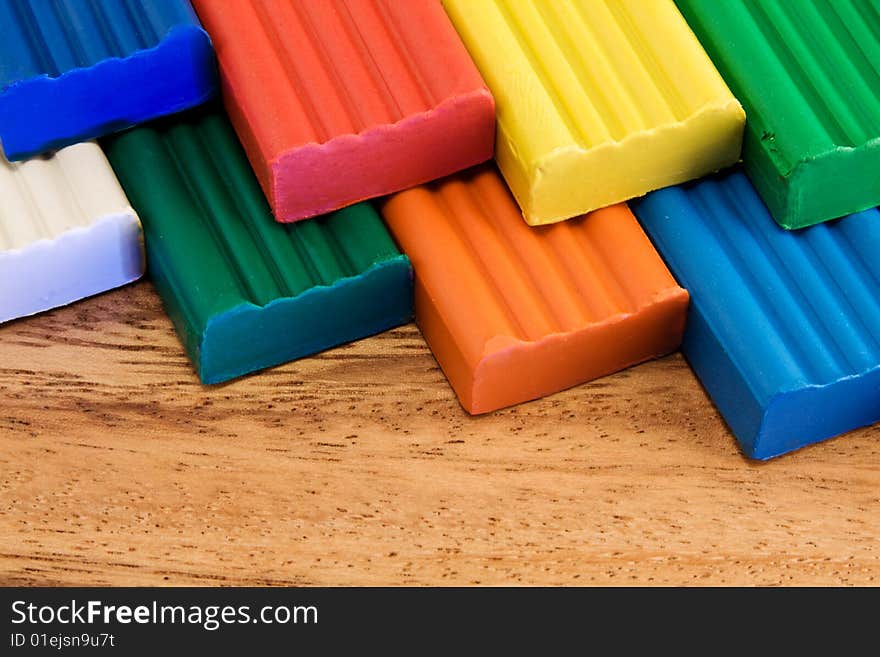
column 67, row 231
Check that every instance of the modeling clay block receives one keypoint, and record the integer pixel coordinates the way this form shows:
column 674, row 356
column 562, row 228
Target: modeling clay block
column 784, row 327
column 66, row 231
column 807, row 74
column 513, row 313
column 599, row 101
column 243, row 291
column 71, row 71
column 337, row 102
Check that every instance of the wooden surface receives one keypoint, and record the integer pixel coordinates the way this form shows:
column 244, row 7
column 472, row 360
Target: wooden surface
column 359, row 467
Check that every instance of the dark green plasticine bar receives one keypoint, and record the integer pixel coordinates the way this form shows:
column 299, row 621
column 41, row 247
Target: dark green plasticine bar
column 807, row 75
column 243, row 291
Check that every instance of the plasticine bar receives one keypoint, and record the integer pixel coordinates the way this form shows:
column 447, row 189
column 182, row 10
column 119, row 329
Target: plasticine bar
column 598, row 101
column 66, row 231
column 807, row 74
column 784, row 327
column 338, row 102
column 72, row 71
column 243, row 291
column 513, row 313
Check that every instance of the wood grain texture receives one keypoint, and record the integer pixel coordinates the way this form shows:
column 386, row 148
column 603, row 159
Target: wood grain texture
column 359, row 467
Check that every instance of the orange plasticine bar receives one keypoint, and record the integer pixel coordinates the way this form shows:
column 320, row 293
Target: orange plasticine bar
column 512, row 312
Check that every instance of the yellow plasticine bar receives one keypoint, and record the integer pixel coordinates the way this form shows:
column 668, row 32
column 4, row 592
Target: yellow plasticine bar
column 598, row 101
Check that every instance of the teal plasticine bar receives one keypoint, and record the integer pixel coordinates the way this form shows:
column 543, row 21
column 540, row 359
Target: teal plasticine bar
column 243, row 291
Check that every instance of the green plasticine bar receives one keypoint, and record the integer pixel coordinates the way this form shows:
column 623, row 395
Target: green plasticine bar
column 807, row 74
column 243, row 291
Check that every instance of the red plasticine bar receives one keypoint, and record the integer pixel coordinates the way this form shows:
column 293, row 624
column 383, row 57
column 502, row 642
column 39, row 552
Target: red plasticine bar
column 344, row 100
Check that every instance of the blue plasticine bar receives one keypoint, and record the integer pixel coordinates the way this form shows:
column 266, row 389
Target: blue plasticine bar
column 784, row 327
column 75, row 70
